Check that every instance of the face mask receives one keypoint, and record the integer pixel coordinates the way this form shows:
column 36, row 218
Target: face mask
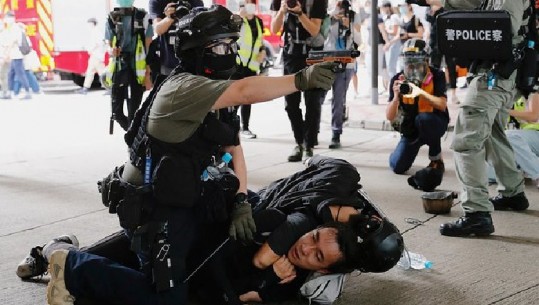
column 250, row 8
column 403, row 10
column 415, row 71
column 125, row 3
column 9, row 20
column 219, row 66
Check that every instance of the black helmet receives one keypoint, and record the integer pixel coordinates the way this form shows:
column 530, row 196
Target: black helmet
column 203, row 25
column 379, row 243
column 415, row 53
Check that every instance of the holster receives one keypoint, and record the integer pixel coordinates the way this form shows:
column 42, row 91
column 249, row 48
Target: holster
column 130, row 208
column 111, row 189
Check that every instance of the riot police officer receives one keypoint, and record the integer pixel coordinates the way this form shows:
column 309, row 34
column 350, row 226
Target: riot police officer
column 176, row 135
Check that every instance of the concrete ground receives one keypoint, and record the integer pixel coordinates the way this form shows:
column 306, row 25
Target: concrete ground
column 56, row 146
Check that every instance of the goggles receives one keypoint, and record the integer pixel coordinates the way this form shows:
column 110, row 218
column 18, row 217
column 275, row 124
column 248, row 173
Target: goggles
column 222, row 47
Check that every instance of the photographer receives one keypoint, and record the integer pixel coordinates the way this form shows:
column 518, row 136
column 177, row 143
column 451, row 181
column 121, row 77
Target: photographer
column 162, row 196
column 300, row 23
column 340, row 37
column 418, row 96
column 129, row 34
column 164, row 15
column 479, row 132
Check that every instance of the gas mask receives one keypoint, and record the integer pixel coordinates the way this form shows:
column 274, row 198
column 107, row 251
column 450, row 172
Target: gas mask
column 415, row 69
column 125, row 3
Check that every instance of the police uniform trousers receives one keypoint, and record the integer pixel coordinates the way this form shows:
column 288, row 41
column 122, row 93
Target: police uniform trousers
column 305, row 131
column 125, row 87
column 479, row 136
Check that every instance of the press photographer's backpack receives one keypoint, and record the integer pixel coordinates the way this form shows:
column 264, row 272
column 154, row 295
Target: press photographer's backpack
column 323, row 289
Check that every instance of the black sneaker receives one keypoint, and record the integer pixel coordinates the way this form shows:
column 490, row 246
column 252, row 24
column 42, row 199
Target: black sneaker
column 519, row 202
column 335, row 143
column 296, row 155
column 308, row 152
column 478, row 224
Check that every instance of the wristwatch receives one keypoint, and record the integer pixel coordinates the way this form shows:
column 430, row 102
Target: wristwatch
column 240, row 198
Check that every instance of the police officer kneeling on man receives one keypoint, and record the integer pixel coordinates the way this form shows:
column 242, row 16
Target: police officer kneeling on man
column 178, row 132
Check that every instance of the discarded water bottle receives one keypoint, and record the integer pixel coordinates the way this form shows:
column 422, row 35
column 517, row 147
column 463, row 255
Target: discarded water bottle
column 225, row 159
column 413, row 260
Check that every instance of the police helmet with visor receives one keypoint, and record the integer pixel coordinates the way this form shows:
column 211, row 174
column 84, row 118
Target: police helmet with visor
column 415, row 53
column 206, row 41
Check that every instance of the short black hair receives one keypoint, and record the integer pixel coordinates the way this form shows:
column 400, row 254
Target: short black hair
column 347, row 240
column 386, row 4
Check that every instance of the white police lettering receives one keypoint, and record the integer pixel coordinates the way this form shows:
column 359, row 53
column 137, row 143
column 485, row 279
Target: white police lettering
column 486, row 35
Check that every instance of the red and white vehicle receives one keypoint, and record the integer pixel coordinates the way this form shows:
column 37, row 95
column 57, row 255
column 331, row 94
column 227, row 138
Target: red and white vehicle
column 59, row 31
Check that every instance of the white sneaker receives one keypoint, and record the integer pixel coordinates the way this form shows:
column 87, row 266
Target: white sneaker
column 57, row 293
column 35, row 263
column 247, row 134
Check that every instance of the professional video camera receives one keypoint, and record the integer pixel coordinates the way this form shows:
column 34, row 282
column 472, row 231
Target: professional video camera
column 182, row 8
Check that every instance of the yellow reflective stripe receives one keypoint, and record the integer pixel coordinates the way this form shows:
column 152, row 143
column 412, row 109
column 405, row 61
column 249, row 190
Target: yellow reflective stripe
column 140, row 61
column 245, row 42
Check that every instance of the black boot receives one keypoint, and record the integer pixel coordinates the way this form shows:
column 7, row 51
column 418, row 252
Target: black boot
column 478, row 224
column 335, row 141
column 519, row 202
column 296, row 155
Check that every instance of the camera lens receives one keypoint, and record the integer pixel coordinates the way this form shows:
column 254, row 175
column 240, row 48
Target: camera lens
column 405, row 88
column 291, row 3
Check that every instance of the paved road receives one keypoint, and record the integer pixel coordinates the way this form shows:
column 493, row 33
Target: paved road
column 56, row 146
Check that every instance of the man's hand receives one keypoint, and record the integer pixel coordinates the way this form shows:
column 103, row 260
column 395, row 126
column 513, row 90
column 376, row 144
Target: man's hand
column 170, row 10
column 317, row 76
column 284, row 270
column 242, row 224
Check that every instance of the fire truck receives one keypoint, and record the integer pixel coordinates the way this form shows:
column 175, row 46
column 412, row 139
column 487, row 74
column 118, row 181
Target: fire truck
column 58, row 30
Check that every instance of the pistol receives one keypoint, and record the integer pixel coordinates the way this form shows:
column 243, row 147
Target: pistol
column 341, row 57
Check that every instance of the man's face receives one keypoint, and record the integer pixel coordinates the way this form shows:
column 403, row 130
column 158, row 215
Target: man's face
column 316, row 250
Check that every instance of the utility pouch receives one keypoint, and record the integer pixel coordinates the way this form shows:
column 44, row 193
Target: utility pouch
column 486, row 32
column 129, row 209
column 176, row 181
column 219, row 132
column 162, row 275
column 111, row 189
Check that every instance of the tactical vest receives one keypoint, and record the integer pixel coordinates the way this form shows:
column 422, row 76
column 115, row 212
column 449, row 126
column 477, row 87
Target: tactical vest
column 520, row 105
column 249, row 49
column 175, row 169
column 137, row 28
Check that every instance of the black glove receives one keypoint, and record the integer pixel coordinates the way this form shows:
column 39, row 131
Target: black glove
column 317, row 76
column 242, row 224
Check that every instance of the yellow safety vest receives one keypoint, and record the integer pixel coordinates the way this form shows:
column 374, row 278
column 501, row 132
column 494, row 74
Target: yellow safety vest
column 140, row 63
column 248, row 52
column 520, row 105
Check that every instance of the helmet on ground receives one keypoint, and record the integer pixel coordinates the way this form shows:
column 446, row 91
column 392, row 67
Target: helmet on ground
column 206, row 41
column 415, row 53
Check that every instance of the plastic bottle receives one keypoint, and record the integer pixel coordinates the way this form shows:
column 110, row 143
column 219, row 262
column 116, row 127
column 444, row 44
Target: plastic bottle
column 213, row 169
column 413, row 260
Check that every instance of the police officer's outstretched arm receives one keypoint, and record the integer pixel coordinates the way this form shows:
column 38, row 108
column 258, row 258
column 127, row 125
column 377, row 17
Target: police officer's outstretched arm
column 259, row 89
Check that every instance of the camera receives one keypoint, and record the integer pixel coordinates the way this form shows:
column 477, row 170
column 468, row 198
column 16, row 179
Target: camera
column 405, row 88
column 291, row 3
column 345, row 5
column 182, row 8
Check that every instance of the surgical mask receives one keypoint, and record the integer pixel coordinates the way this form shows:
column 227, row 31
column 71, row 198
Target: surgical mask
column 403, row 10
column 125, row 3
column 9, row 20
column 250, row 8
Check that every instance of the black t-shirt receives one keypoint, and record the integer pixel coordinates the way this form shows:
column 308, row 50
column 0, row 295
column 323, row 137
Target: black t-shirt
column 318, row 10
column 166, row 42
column 411, row 26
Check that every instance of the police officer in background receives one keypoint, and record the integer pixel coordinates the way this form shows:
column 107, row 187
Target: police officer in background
column 299, row 21
column 163, row 198
column 129, row 34
column 479, row 135
column 163, row 14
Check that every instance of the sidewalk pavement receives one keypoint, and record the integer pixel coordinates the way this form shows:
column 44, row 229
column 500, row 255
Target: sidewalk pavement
column 56, row 147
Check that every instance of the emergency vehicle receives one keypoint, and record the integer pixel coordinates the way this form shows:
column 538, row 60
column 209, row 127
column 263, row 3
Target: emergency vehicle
column 58, row 30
